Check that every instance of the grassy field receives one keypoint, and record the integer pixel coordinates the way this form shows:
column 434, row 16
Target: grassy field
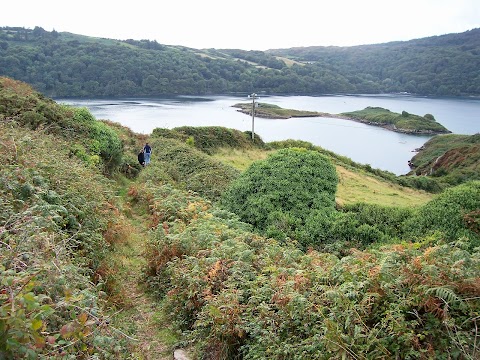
column 353, row 186
column 357, row 187
column 240, row 158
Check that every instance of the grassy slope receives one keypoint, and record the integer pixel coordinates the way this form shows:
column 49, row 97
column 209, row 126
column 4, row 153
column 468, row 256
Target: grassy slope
column 451, row 158
column 354, row 186
column 359, row 187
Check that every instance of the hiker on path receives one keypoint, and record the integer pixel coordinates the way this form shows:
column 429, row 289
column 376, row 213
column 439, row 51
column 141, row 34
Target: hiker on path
column 141, row 157
column 147, row 153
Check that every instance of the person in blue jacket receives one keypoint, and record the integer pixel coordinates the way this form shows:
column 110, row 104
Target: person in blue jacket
column 147, row 150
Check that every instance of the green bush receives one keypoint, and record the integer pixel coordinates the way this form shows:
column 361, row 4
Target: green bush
column 387, row 219
column 286, row 187
column 448, row 213
column 101, row 139
column 422, row 183
column 211, row 138
column 191, row 169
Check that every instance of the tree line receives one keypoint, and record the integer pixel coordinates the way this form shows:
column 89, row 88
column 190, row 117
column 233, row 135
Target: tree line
column 62, row 64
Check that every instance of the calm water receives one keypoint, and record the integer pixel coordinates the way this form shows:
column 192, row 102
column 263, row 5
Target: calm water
column 365, row 144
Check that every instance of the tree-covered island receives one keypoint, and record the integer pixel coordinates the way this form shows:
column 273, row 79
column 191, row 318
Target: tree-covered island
column 405, row 122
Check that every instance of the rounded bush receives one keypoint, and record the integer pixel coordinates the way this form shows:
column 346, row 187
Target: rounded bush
column 290, row 183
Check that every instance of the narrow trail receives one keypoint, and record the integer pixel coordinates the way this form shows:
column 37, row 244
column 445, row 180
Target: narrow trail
column 140, row 315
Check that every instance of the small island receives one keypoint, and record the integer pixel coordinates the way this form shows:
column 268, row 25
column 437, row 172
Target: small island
column 269, row 111
column 376, row 116
column 404, row 122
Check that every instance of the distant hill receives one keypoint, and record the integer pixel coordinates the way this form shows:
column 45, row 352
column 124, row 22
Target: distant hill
column 437, row 65
column 61, row 64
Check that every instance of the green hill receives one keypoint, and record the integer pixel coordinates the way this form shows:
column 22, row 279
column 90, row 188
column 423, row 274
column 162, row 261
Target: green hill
column 71, row 65
column 452, row 159
column 102, row 258
column 426, row 66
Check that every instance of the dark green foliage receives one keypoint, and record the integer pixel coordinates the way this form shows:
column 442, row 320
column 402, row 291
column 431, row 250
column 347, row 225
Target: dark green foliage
column 444, row 65
column 387, row 219
column 281, row 191
column 65, row 64
column 337, row 233
column 355, row 226
column 448, row 214
column 426, row 183
column 75, row 65
column 102, row 140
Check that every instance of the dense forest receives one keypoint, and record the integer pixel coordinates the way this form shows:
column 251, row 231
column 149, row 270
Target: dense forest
column 62, row 64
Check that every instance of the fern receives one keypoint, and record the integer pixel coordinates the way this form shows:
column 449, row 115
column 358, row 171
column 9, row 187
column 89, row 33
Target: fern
column 448, row 296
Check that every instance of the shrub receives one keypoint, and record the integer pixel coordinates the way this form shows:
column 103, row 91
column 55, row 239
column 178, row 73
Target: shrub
column 101, row 139
column 389, row 220
column 192, row 169
column 422, row 183
column 447, row 213
column 288, row 185
column 211, row 138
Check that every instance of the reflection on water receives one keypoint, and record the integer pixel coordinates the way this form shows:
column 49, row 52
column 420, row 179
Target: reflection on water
column 365, row 144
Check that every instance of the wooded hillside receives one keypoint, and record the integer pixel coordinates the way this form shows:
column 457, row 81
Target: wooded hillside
column 65, row 64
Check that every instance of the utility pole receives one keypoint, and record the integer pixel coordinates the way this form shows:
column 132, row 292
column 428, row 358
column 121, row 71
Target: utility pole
column 253, row 96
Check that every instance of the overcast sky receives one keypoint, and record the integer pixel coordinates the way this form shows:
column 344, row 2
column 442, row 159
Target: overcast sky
column 248, row 25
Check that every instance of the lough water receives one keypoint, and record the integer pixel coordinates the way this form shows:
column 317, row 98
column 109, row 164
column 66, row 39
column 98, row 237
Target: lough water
column 364, row 144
